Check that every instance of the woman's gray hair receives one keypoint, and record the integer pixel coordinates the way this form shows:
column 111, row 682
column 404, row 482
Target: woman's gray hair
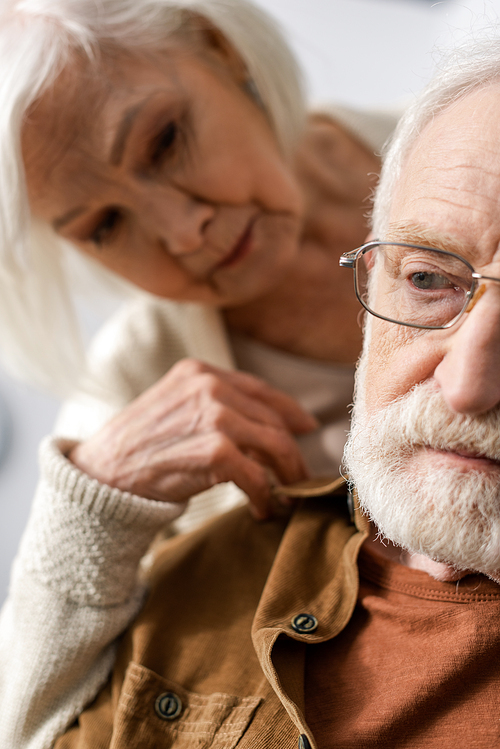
column 39, row 333
column 470, row 66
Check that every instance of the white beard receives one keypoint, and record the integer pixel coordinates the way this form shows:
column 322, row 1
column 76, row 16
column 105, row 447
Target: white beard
column 449, row 515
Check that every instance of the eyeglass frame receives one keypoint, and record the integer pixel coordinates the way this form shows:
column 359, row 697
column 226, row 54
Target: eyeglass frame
column 350, row 258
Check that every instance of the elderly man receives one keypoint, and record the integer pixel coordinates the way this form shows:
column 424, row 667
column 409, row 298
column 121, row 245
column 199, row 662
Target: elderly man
column 370, row 625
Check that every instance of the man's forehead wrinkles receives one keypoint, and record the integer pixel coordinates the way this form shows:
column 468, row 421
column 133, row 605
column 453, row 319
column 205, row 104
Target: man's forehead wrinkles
column 473, row 207
column 479, row 181
column 417, row 233
column 476, row 213
column 460, row 174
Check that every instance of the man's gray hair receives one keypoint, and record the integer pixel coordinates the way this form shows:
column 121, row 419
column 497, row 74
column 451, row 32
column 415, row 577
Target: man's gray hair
column 39, row 335
column 473, row 65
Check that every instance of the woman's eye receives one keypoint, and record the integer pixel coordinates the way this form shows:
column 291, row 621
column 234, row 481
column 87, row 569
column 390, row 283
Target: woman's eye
column 426, row 281
column 105, row 228
column 164, row 142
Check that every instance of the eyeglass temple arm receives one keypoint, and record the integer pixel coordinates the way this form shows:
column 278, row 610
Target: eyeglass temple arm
column 348, row 259
column 479, row 290
column 478, row 293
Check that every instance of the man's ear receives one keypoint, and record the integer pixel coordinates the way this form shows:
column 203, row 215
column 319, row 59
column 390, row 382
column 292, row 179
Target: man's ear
column 368, row 256
column 368, row 260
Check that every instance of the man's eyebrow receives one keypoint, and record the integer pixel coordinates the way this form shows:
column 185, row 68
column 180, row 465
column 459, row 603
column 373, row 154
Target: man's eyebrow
column 415, row 233
column 123, row 131
column 57, row 223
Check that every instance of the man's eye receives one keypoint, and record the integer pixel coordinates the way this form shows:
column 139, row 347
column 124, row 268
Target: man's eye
column 105, row 228
column 164, row 142
column 426, row 281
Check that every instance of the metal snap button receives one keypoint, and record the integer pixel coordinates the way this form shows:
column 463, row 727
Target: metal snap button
column 304, row 623
column 304, row 742
column 168, row 706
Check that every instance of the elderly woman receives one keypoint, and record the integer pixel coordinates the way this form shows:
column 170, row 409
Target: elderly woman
column 166, row 141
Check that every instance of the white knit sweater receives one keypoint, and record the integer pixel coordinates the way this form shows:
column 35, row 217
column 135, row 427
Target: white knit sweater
column 76, row 579
column 75, row 584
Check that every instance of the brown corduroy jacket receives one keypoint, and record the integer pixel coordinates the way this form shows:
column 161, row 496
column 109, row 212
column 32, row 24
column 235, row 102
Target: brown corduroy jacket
column 216, row 658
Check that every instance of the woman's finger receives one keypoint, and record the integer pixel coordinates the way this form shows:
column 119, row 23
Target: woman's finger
column 186, row 468
column 275, row 447
column 296, row 418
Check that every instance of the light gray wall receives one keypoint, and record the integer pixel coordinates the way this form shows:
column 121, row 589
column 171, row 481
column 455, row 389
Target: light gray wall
column 360, row 52
column 31, row 415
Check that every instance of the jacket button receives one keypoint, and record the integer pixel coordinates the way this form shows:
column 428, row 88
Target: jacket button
column 304, row 623
column 168, row 706
column 304, row 742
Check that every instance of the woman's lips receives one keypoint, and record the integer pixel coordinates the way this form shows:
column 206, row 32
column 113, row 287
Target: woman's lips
column 240, row 249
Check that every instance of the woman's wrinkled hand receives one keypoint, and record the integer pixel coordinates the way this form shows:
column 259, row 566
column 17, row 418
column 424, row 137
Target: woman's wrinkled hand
column 196, row 427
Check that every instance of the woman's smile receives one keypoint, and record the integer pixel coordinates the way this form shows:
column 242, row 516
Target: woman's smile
column 240, row 250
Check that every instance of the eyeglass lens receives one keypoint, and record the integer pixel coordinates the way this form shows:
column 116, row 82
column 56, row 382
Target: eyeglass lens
column 415, row 286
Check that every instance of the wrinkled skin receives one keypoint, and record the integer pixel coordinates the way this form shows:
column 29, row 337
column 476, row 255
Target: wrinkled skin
column 168, row 173
column 447, row 197
column 198, row 427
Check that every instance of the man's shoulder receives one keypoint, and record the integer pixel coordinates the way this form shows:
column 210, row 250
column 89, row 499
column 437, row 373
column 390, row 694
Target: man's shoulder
column 229, row 543
column 212, row 589
column 233, row 549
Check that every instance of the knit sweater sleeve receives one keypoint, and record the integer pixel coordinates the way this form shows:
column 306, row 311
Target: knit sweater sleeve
column 75, row 586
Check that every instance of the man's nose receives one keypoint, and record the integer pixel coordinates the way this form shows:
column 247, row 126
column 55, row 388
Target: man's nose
column 469, row 372
column 177, row 219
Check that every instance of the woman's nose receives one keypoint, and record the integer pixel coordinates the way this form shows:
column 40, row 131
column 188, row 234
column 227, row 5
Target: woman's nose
column 177, row 219
column 469, row 372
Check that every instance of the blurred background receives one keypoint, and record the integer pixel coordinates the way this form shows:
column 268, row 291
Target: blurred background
column 364, row 53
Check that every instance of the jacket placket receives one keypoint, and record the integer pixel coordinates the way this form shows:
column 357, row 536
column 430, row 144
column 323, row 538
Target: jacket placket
column 309, row 598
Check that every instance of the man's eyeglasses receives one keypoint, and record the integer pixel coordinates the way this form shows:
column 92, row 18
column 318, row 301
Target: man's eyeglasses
column 416, row 285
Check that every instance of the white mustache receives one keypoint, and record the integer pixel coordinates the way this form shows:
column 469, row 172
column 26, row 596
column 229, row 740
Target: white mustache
column 421, row 418
column 429, row 507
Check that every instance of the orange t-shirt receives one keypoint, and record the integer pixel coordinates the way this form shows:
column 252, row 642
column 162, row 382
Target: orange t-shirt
column 417, row 667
